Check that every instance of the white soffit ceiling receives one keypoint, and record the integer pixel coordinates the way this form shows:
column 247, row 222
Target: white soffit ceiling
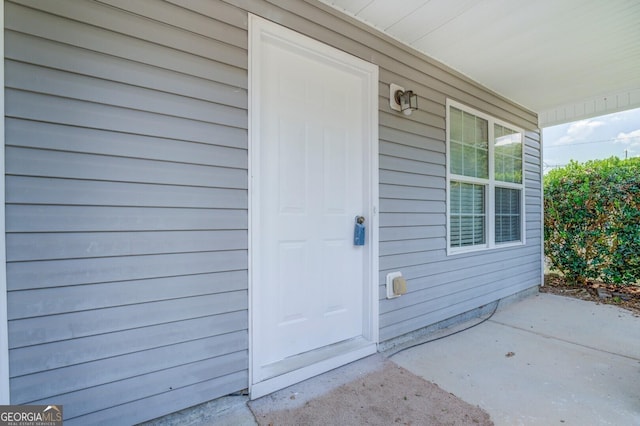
column 564, row 59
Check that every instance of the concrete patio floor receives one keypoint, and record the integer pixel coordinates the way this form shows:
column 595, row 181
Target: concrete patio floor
column 542, row 360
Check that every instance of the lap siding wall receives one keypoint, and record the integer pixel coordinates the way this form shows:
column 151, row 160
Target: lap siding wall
column 126, row 198
column 126, row 212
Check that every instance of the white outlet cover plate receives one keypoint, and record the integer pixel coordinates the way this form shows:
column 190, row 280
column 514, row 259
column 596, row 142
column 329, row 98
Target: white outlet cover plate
column 390, row 277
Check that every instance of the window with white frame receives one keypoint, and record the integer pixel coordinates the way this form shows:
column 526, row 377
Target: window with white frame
column 485, row 181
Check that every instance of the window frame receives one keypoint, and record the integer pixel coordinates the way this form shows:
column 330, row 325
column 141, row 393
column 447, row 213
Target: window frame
column 489, row 183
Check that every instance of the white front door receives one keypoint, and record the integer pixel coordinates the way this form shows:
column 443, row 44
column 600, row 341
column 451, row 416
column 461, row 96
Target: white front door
column 313, row 170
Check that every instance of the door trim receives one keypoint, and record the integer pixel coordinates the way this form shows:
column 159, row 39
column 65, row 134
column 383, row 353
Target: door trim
column 341, row 353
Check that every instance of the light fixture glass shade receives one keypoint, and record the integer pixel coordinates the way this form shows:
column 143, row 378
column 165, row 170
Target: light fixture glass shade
column 401, row 100
column 408, row 102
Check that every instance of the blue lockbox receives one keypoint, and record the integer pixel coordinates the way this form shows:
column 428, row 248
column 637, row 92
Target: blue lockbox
column 359, row 232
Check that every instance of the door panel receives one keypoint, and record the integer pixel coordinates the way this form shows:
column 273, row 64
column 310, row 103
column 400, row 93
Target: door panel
column 310, row 283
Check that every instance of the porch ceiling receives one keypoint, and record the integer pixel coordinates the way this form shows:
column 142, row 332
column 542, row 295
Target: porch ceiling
column 564, row 59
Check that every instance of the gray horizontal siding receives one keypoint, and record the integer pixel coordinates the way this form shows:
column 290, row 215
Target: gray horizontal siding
column 66, row 165
column 444, row 308
column 424, row 264
column 31, row 49
column 440, row 282
column 32, row 134
column 75, row 325
column 97, row 90
column 126, row 216
column 90, row 400
column 62, row 353
column 127, row 198
column 72, row 112
column 49, row 190
column 121, row 367
column 83, row 218
column 60, row 300
column 167, row 401
column 52, row 246
column 100, row 38
column 59, row 273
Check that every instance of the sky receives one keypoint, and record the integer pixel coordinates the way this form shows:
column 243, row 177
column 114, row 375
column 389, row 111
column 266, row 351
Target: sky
column 596, row 138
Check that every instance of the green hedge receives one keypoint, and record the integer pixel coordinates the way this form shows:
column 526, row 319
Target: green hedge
column 592, row 220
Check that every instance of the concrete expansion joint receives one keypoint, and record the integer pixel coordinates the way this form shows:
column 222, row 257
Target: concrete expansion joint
column 571, row 342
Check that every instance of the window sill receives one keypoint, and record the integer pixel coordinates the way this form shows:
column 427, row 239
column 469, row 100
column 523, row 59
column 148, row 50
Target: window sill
column 483, row 248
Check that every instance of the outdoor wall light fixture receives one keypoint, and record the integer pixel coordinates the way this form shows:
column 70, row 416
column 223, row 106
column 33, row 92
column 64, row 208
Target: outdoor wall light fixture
column 402, row 100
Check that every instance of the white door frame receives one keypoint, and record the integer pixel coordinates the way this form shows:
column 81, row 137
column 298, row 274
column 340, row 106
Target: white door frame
column 259, row 29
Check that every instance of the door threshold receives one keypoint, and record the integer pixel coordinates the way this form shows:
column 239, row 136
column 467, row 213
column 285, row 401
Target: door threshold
column 300, row 367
